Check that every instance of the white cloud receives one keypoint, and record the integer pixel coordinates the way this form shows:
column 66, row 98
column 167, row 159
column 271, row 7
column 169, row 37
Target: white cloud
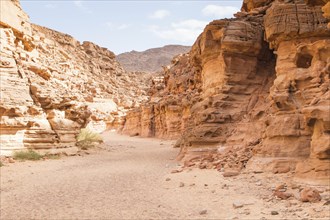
column 160, row 14
column 82, row 7
column 78, row 4
column 190, row 24
column 50, row 6
column 109, row 24
column 113, row 26
column 184, row 31
column 219, row 11
column 123, row 26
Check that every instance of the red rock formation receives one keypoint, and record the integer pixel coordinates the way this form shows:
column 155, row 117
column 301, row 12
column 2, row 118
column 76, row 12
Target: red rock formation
column 310, row 195
column 236, row 103
column 326, row 12
column 298, row 127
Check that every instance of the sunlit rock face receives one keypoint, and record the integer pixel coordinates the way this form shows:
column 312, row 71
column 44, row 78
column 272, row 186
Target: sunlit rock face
column 52, row 85
column 300, row 93
column 252, row 93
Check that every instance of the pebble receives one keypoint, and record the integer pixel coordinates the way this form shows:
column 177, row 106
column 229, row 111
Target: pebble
column 281, row 186
column 245, row 211
column 327, row 202
column 237, row 205
column 230, row 173
column 203, row 212
column 176, row 171
column 167, row 179
column 293, row 202
column 258, row 183
column 274, row 212
column 295, row 186
column 309, row 195
column 181, row 184
column 318, row 209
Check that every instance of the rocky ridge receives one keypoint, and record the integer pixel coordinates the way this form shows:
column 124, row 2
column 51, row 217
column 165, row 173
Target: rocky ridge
column 52, row 85
column 253, row 93
column 151, row 60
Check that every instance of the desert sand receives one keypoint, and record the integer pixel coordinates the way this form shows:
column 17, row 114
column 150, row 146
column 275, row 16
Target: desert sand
column 130, row 178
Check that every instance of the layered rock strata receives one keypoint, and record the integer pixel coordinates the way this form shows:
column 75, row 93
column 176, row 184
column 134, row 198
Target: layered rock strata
column 51, row 86
column 252, row 93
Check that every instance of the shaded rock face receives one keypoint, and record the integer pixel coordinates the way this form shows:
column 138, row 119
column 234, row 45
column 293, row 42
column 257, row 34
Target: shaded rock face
column 166, row 114
column 51, row 86
column 252, row 93
column 151, row 60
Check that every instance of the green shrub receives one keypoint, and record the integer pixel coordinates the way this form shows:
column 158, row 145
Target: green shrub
column 86, row 138
column 53, row 156
column 27, row 155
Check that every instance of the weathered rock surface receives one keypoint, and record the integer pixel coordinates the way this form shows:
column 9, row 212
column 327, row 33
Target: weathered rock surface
column 51, row 86
column 151, row 60
column 310, row 195
column 239, row 100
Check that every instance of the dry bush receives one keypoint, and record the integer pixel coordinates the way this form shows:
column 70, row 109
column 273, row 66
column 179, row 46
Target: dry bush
column 87, row 138
column 27, row 155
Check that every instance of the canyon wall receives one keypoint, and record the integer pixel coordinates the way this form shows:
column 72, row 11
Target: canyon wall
column 52, row 85
column 252, row 93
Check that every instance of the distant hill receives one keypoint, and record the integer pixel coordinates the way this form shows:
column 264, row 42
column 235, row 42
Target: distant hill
column 150, row 60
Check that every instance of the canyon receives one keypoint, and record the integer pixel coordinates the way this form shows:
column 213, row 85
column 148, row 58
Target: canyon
column 236, row 128
column 252, row 94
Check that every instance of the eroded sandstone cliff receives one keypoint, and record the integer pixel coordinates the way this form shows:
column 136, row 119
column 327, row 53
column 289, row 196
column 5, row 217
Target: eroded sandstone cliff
column 51, row 86
column 252, row 93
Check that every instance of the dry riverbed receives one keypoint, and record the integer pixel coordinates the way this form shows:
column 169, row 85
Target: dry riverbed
column 131, row 179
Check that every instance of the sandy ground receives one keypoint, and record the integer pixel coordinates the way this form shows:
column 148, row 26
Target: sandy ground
column 131, row 179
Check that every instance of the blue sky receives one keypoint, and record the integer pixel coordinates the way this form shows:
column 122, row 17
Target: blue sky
column 123, row 26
